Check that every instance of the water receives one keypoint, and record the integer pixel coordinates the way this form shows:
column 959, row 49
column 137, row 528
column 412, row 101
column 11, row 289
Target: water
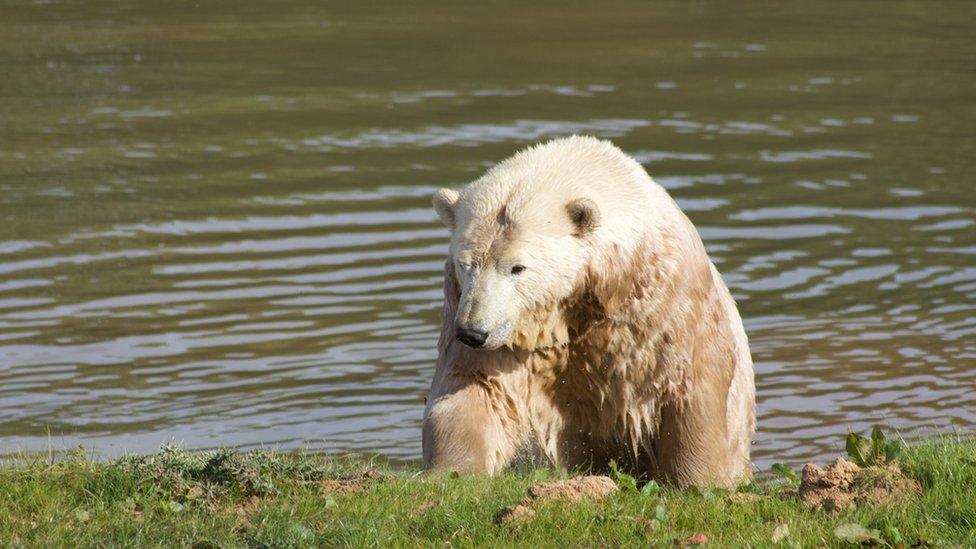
column 215, row 221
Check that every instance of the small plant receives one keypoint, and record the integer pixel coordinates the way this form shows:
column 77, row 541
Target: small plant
column 875, row 451
column 652, row 488
column 628, row 483
column 785, row 471
column 660, row 513
column 707, row 494
column 892, row 535
column 854, row 533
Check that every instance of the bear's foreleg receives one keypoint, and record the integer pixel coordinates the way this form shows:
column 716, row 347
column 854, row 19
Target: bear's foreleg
column 464, row 431
column 693, row 445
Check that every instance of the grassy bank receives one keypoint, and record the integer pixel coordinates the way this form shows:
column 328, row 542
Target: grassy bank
column 225, row 499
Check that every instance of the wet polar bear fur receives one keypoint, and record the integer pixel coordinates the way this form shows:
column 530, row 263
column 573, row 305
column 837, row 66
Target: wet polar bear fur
column 603, row 330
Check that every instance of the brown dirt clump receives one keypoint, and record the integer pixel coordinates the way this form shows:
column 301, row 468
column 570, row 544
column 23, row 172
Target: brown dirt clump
column 843, row 485
column 243, row 512
column 247, row 508
column 595, row 487
column 574, row 490
column 351, row 485
column 423, row 508
column 514, row 513
column 695, row 540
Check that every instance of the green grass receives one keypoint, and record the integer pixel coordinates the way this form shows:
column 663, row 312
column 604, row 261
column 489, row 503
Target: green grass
column 263, row 499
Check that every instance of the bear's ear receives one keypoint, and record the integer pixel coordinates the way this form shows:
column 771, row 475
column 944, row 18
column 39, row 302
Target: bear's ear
column 584, row 215
column 444, row 202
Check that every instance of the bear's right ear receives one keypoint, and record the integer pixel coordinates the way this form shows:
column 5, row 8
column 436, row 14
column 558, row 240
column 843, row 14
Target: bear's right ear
column 444, row 202
column 584, row 214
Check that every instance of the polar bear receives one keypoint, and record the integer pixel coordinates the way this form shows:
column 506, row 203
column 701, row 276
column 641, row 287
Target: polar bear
column 583, row 322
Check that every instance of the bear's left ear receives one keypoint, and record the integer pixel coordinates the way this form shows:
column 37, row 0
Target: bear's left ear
column 444, row 202
column 584, row 214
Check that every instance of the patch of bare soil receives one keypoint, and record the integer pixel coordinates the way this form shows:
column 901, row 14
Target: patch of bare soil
column 695, row 540
column 574, row 490
column 351, row 485
column 515, row 513
column 422, row 509
column 843, row 485
column 244, row 512
column 743, row 498
column 247, row 508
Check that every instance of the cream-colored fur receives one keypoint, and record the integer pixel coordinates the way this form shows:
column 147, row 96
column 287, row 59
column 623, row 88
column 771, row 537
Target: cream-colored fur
column 609, row 334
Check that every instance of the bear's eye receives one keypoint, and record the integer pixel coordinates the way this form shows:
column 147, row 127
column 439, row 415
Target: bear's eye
column 518, row 269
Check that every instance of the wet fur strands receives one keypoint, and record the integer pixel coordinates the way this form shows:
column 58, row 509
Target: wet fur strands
column 594, row 326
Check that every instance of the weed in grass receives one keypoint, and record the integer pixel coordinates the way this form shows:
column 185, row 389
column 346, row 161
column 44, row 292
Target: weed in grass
column 874, row 451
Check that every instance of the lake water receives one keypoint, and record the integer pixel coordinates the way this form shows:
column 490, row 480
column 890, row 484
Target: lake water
column 215, row 221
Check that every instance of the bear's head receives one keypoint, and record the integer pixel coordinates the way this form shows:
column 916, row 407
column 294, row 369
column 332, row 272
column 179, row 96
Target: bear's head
column 512, row 259
column 561, row 234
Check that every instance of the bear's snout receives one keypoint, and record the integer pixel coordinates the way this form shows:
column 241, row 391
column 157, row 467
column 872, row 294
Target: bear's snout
column 472, row 338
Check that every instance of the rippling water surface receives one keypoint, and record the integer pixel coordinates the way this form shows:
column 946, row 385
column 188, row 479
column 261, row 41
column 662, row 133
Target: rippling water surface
column 215, row 221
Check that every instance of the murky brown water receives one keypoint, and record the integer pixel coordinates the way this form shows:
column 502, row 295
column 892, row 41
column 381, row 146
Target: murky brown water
column 215, row 223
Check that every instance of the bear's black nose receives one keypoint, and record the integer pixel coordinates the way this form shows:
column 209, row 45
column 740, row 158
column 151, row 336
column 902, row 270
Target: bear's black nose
column 472, row 338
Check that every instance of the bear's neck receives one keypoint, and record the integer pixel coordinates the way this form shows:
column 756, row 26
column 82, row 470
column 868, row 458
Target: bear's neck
column 568, row 322
column 542, row 330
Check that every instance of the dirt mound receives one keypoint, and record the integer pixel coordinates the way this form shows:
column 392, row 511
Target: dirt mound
column 843, row 485
column 574, row 490
column 351, row 485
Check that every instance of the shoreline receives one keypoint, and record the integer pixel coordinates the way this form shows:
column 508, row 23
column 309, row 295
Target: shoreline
column 223, row 498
